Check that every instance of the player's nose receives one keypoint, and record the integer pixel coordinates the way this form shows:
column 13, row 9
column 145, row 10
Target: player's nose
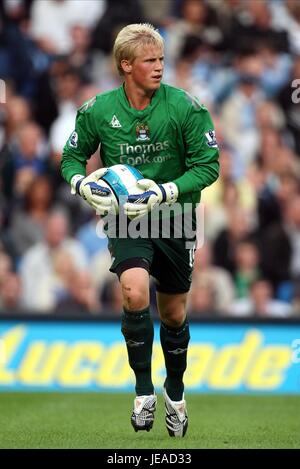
column 159, row 65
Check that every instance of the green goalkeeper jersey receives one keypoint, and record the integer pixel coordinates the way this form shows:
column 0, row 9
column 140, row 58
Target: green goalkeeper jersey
column 172, row 139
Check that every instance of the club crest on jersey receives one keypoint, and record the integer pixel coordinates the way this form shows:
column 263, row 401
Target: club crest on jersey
column 142, row 132
column 211, row 140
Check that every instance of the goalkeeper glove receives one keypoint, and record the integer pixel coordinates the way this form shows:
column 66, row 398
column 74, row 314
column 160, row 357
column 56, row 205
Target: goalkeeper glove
column 99, row 197
column 138, row 205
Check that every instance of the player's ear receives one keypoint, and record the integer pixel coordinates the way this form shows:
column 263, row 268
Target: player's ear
column 126, row 66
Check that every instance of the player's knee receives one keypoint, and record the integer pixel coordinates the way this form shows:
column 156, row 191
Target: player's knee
column 173, row 314
column 135, row 289
column 135, row 298
column 174, row 319
column 172, row 310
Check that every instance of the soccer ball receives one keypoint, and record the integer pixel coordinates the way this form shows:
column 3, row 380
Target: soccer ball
column 121, row 179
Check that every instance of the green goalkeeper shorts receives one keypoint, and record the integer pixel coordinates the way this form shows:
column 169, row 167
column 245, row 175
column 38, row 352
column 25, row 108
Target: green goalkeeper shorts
column 168, row 259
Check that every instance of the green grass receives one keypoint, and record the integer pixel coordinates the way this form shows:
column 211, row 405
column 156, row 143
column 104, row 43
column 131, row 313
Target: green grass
column 92, row 420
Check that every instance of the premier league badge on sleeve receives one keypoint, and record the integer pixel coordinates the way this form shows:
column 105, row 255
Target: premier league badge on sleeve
column 211, row 140
column 73, row 140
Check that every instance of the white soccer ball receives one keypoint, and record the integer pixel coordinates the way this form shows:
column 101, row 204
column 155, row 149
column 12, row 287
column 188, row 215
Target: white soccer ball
column 121, row 179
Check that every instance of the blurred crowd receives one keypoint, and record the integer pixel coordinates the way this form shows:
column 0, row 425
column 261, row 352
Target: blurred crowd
column 241, row 58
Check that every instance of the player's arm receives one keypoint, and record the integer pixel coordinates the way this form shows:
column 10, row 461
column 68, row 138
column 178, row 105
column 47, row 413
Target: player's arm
column 81, row 145
column 202, row 154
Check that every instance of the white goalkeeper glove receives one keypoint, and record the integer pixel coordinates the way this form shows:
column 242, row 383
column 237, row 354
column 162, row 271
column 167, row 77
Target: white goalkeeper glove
column 98, row 196
column 138, row 205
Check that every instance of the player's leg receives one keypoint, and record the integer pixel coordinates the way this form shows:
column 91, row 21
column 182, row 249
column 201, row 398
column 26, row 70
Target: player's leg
column 174, row 337
column 131, row 261
column 137, row 328
column 172, row 267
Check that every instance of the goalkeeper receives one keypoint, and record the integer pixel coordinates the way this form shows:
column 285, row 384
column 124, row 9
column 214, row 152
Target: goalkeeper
column 170, row 138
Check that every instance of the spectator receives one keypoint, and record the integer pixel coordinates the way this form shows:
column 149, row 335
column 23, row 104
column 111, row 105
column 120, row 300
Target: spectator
column 37, row 265
column 218, row 280
column 291, row 106
column 247, row 267
column 114, row 17
column 281, row 246
column 92, row 237
column 10, row 294
column 226, row 194
column 18, row 113
column 28, row 157
column 286, row 16
column 192, row 70
column 81, row 296
column 254, row 25
column 260, row 303
column 198, row 19
column 240, row 225
column 238, row 117
column 201, row 298
column 52, row 21
column 112, row 297
column 28, row 223
column 270, row 116
column 5, row 266
column 63, row 125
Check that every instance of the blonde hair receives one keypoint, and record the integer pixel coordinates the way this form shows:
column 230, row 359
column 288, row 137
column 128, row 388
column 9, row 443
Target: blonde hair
column 130, row 38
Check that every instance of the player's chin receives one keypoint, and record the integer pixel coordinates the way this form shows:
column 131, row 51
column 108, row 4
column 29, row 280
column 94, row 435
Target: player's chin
column 154, row 85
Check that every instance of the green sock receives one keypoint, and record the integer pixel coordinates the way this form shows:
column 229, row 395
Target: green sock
column 137, row 329
column 174, row 342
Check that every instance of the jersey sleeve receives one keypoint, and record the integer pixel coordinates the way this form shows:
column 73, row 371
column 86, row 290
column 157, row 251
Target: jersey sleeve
column 82, row 143
column 202, row 154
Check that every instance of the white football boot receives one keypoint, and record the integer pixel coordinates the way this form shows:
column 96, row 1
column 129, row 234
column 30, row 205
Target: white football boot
column 176, row 416
column 143, row 412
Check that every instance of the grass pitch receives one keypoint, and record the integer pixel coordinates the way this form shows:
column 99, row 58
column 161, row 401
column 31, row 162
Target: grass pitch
column 91, row 420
